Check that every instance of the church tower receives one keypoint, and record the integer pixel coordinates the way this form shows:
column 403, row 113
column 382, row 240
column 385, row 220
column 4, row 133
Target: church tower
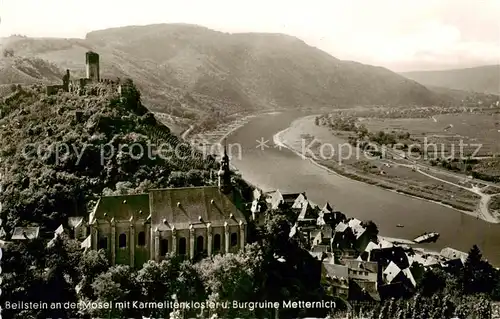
column 224, row 174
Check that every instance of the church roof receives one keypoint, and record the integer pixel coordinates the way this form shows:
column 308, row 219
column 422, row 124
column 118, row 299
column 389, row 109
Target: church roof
column 173, row 207
column 121, row 207
column 182, row 207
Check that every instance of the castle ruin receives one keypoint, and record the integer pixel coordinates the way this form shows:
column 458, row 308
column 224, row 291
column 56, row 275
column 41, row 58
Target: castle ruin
column 78, row 85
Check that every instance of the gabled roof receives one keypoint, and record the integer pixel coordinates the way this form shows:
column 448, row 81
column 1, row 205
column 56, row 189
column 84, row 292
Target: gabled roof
column 308, row 211
column 291, row 197
column 327, row 209
column 74, row 222
column 341, row 227
column 59, row 230
column 391, row 272
column 87, row 243
column 182, row 207
column 23, row 233
column 409, row 275
column 357, row 228
column 257, row 194
column 371, row 245
column 275, row 199
column 299, row 201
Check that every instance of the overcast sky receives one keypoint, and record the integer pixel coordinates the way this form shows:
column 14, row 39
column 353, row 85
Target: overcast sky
column 400, row 34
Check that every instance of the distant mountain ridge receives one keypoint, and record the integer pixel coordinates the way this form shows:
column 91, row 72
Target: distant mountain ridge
column 484, row 79
column 192, row 72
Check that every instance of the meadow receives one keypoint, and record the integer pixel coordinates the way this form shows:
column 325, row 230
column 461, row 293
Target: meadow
column 447, row 131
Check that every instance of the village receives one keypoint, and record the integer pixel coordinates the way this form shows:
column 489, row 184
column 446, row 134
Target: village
column 357, row 263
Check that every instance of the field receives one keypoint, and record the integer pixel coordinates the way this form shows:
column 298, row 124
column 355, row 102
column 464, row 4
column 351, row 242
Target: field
column 376, row 171
column 442, row 134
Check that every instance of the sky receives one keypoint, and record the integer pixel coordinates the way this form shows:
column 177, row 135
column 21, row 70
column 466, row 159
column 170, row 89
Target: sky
column 402, row 35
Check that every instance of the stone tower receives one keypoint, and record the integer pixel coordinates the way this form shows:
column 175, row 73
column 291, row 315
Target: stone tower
column 92, row 64
column 66, row 79
column 224, row 174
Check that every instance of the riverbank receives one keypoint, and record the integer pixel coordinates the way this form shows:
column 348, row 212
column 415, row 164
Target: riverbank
column 415, row 183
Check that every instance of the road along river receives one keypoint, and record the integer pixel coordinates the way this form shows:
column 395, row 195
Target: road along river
column 270, row 167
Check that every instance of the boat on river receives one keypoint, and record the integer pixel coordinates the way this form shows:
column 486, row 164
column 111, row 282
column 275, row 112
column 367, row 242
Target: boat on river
column 427, row 238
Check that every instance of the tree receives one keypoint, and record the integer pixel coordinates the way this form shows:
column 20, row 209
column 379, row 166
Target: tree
column 118, row 284
column 93, row 263
column 478, row 275
column 171, row 277
column 433, row 281
column 227, row 278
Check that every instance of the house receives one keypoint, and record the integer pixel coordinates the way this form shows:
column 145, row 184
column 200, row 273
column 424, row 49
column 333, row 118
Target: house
column 337, row 277
column 276, row 199
column 453, row 254
column 79, row 227
column 343, row 237
column 191, row 221
column 363, row 279
column 25, row 233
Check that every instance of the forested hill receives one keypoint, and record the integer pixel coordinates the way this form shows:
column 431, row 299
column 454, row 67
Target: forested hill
column 479, row 79
column 189, row 71
column 60, row 151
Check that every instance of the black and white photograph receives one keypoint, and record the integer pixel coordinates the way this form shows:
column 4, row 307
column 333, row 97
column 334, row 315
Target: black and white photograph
column 332, row 159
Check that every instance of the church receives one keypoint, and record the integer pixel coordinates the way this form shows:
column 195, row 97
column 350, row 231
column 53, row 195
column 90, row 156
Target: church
column 190, row 221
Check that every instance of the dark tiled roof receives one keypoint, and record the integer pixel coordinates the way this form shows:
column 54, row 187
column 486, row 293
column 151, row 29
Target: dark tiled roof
column 122, row 207
column 20, row 233
column 182, row 207
column 169, row 207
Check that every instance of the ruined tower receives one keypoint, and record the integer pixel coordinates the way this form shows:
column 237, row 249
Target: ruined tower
column 92, row 64
column 66, row 80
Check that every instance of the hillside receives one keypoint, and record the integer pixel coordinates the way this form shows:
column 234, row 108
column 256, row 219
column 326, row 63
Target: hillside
column 60, row 151
column 194, row 70
column 485, row 79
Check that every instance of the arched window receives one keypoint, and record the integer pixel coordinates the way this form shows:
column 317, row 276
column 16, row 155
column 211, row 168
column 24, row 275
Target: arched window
column 141, row 239
column 182, row 246
column 163, row 247
column 199, row 244
column 122, row 241
column 234, row 239
column 103, row 243
column 216, row 242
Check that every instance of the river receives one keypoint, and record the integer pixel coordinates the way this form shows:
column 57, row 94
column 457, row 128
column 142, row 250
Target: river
column 271, row 168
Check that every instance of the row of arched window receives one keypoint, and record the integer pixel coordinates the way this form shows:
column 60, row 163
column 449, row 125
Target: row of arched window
column 199, row 244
